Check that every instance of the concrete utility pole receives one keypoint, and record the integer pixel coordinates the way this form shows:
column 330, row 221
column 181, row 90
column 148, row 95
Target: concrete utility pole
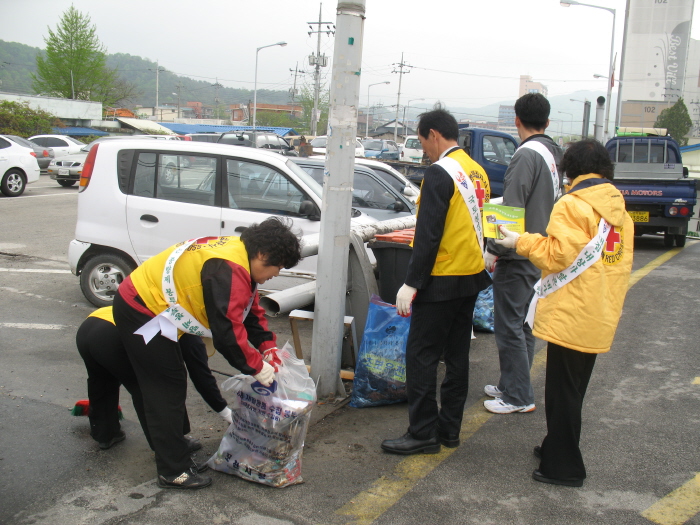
column 293, row 91
column 216, row 87
column 401, row 72
column 155, row 109
column 178, row 88
column 318, row 61
column 331, row 274
column 598, row 126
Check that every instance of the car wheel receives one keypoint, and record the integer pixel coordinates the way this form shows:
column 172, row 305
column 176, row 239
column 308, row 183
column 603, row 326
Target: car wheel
column 168, row 176
column 13, row 183
column 102, row 275
column 680, row 240
column 66, row 183
column 668, row 239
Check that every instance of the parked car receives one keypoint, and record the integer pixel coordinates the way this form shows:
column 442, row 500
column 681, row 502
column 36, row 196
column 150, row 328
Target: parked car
column 43, row 155
column 318, row 146
column 412, row 150
column 18, row 167
column 258, row 139
column 394, row 178
column 204, row 137
column 128, row 212
column 66, row 170
column 381, row 149
column 61, row 144
column 370, row 194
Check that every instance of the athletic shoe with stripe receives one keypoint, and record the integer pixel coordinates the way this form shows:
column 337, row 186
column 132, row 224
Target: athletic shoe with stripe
column 492, row 391
column 498, row 406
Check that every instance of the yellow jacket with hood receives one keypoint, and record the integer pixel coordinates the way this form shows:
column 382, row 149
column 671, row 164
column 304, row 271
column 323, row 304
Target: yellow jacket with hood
column 583, row 314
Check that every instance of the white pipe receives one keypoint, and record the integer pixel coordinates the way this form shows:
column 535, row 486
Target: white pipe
column 290, row 299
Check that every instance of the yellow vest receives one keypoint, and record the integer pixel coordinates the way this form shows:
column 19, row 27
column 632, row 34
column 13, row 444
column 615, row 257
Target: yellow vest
column 148, row 277
column 460, row 250
column 104, row 313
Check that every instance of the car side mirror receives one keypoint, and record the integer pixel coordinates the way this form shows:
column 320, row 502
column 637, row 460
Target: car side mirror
column 398, row 206
column 309, row 210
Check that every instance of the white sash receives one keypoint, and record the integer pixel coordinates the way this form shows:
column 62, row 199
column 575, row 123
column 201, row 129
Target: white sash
column 455, row 170
column 549, row 160
column 553, row 282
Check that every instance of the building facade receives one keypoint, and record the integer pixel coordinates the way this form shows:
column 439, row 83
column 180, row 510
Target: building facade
column 527, row 85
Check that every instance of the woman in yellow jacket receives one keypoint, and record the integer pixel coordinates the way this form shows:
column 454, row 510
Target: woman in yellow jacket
column 586, row 261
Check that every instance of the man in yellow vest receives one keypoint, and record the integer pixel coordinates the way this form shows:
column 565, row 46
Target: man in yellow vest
column 445, row 274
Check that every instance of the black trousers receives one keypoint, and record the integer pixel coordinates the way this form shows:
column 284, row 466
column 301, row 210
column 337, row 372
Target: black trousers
column 160, row 371
column 567, row 376
column 437, row 329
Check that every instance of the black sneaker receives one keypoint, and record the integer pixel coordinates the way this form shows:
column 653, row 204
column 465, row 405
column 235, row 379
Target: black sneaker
column 193, row 445
column 190, row 479
column 199, row 467
column 116, row 439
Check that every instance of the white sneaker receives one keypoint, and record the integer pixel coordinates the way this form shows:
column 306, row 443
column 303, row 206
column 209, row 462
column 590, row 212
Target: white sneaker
column 498, row 406
column 492, row 390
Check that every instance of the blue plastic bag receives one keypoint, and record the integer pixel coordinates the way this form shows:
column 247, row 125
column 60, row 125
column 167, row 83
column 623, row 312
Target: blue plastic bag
column 380, row 373
column 483, row 311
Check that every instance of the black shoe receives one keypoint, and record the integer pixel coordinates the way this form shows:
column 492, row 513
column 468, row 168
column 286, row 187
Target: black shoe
column 537, row 451
column 448, row 440
column 116, row 439
column 189, row 479
column 193, row 445
column 199, row 467
column 537, row 476
column 409, row 445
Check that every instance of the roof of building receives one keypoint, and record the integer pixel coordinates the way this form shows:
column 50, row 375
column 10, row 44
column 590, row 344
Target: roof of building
column 79, row 132
column 184, row 129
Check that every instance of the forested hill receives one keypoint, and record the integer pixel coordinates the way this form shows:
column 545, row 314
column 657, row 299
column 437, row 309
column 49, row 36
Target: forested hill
column 18, row 62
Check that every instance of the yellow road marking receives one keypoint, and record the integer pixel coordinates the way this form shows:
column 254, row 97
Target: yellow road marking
column 369, row 504
column 678, row 506
column 696, row 381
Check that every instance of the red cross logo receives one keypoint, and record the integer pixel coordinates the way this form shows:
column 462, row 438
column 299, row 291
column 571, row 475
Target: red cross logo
column 613, row 239
column 480, row 193
column 205, row 240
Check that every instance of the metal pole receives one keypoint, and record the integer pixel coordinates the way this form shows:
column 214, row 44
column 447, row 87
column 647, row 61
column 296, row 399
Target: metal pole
column 255, row 85
column 398, row 99
column 367, row 119
column 317, row 76
column 610, row 81
column 156, row 108
column 618, row 113
column 334, row 237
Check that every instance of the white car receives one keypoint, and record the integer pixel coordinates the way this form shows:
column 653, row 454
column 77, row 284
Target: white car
column 412, row 151
column 18, row 167
column 392, row 177
column 318, row 146
column 61, row 144
column 132, row 204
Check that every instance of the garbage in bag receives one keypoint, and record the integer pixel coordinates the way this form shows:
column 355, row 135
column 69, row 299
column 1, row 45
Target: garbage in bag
column 380, row 373
column 483, row 310
column 264, row 443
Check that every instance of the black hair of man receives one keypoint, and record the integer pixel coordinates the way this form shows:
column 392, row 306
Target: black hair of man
column 441, row 121
column 587, row 156
column 274, row 241
column 533, row 111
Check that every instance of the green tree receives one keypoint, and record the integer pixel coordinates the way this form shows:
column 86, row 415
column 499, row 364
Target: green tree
column 677, row 121
column 306, row 101
column 75, row 64
column 23, row 121
column 275, row 119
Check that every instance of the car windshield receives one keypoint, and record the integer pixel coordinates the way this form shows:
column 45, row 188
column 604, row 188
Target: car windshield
column 306, row 178
column 413, row 144
column 373, row 144
column 319, row 142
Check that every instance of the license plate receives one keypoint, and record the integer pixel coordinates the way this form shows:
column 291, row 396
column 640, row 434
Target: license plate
column 63, row 171
column 639, row 216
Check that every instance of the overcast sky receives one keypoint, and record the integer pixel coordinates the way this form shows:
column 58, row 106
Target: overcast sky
column 465, row 53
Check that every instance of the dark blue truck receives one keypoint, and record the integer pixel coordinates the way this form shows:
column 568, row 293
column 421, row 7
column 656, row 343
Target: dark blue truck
column 658, row 194
column 490, row 148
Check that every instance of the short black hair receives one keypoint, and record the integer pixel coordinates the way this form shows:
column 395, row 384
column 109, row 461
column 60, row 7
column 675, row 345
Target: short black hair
column 533, row 110
column 274, row 240
column 441, row 121
column 587, row 156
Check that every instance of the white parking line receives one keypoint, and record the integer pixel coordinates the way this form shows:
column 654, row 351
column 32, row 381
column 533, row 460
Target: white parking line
column 32, row 270
column 33, row 326
column 35, row 196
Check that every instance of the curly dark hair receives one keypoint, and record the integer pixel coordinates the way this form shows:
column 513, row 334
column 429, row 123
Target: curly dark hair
column 533, row 111
column 587, row 156
column 274, row 240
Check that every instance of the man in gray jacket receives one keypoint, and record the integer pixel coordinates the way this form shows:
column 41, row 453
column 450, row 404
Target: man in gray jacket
column 532, row 181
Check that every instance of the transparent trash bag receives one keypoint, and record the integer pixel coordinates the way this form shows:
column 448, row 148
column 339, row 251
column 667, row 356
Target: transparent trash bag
column 264, row 443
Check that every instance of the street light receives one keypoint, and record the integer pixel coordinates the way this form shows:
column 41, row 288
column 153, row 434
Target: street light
column 618, row 109
column 404, row 113
column 571, row 123
column 569, row 3
column 367, row 116
column 255, row 89
column 178, row 103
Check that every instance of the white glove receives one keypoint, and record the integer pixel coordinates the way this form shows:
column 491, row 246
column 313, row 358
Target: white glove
column 490, row 260
column 266, row 375
column 404, row 298
column 226, row 415
column 510, row 239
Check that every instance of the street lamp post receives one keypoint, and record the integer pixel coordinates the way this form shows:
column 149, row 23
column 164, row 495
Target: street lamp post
column 404, row 113
column 571, row 122
column 178, row 103
column 367, row 116
column 569, row 3
column 618, row 109
column 255, row 89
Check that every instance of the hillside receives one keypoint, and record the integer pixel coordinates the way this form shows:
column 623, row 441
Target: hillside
column 18, row 62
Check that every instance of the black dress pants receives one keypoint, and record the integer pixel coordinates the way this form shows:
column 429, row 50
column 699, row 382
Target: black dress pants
column 437, row 329
column 160, row 371
column 567, row 376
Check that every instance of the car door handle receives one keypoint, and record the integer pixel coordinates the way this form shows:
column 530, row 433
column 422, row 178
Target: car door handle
column 149, row 218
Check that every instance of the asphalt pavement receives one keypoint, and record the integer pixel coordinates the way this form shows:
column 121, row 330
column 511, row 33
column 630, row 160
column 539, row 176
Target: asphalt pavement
column 641, row 418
